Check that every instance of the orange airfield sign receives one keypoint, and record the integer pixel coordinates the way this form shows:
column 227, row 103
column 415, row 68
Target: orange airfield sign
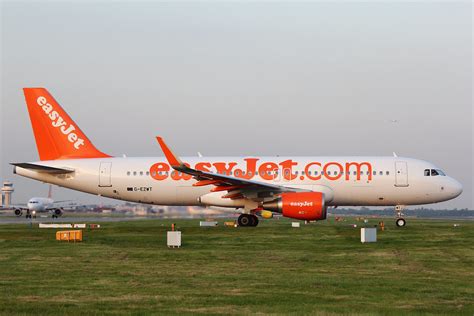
column 270, row 170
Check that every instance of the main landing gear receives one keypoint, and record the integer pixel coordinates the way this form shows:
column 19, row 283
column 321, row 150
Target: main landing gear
column 401, row 222
column 247, row 220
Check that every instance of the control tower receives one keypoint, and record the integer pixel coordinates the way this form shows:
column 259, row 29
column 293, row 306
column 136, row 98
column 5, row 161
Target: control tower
column 7, row 191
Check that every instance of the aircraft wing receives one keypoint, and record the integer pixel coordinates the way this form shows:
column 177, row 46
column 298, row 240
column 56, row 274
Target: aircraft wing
column 62, row 201
column 237, row 187
column 12, row 207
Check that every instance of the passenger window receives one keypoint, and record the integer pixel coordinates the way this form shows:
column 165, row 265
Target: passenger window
column 148, row 173
column 375, row 173
column 315, row 173
column 355, row 173
column 387, row 173
column 141, row 173
column 335, row 173
column 329, row 172
column 381, row 173
column 128, row 173
column 134, row 173
column 296, row 172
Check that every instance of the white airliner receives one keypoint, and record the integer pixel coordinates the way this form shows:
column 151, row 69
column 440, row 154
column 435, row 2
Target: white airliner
column 38, row 205
column 297, row 187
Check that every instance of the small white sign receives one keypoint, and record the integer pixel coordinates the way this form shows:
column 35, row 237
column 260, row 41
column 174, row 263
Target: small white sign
column 295, row 224
column 368, row 235
column 174, row 239
column 41, row 225
column 207, row 223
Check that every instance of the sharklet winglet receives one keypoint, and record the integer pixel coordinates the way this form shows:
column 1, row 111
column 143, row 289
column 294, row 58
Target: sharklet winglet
column 173, row 160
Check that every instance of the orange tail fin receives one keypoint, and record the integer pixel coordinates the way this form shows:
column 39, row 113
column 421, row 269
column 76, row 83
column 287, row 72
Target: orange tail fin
column 56, row 134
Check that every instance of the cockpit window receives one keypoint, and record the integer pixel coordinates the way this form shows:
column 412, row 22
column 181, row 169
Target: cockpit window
column 434, row 172
column 440, row 172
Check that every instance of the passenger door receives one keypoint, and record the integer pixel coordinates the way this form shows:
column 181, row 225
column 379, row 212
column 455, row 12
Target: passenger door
column 401, row 174
column 105, row 177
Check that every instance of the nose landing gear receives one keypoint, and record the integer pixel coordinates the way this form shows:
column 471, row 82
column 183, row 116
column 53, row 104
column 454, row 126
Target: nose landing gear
column 400, row 221
column 247, row 220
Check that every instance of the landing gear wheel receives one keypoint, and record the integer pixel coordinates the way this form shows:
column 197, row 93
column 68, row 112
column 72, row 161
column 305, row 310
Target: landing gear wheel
column 247, row 220
column 401, row 222
column 254, row 220
column 244, row 220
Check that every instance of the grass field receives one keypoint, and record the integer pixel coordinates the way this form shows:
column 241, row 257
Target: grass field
column 321, row 268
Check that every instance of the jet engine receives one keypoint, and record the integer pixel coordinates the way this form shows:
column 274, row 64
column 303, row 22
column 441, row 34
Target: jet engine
column 57, row 212
column 308, row 206
column 18, row 212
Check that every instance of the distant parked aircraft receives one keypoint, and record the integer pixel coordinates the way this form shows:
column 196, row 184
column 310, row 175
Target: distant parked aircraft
column 38, row 205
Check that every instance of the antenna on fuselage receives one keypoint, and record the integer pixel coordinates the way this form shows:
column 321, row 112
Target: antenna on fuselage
column 199, row 155
column 395, row 154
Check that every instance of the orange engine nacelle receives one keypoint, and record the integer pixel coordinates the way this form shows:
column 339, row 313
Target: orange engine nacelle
column 308, row 206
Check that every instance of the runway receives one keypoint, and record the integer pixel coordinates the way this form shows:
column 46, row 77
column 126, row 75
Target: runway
column 9, row 219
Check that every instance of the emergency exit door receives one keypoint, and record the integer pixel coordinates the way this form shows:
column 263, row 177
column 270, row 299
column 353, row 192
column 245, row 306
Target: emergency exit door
column 105, row 174
column 401, row 174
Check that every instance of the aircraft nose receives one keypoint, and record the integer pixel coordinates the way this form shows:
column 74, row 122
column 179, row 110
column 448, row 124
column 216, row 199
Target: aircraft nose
column 455, row 187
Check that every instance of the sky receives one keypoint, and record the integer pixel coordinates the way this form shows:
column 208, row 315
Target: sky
column 244, row 78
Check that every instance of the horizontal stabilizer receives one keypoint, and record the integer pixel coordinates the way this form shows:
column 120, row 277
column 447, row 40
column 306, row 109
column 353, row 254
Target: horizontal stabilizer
column 42, row 168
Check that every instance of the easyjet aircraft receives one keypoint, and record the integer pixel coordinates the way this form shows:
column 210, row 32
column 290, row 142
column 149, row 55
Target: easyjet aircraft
column 297, row 187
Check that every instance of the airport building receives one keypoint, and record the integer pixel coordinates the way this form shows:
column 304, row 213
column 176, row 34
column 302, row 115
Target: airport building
column 7, row 192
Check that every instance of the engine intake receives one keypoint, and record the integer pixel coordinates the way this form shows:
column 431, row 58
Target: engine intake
column 308, row 206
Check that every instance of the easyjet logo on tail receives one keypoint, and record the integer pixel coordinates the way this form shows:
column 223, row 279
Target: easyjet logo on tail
column 57, row 121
